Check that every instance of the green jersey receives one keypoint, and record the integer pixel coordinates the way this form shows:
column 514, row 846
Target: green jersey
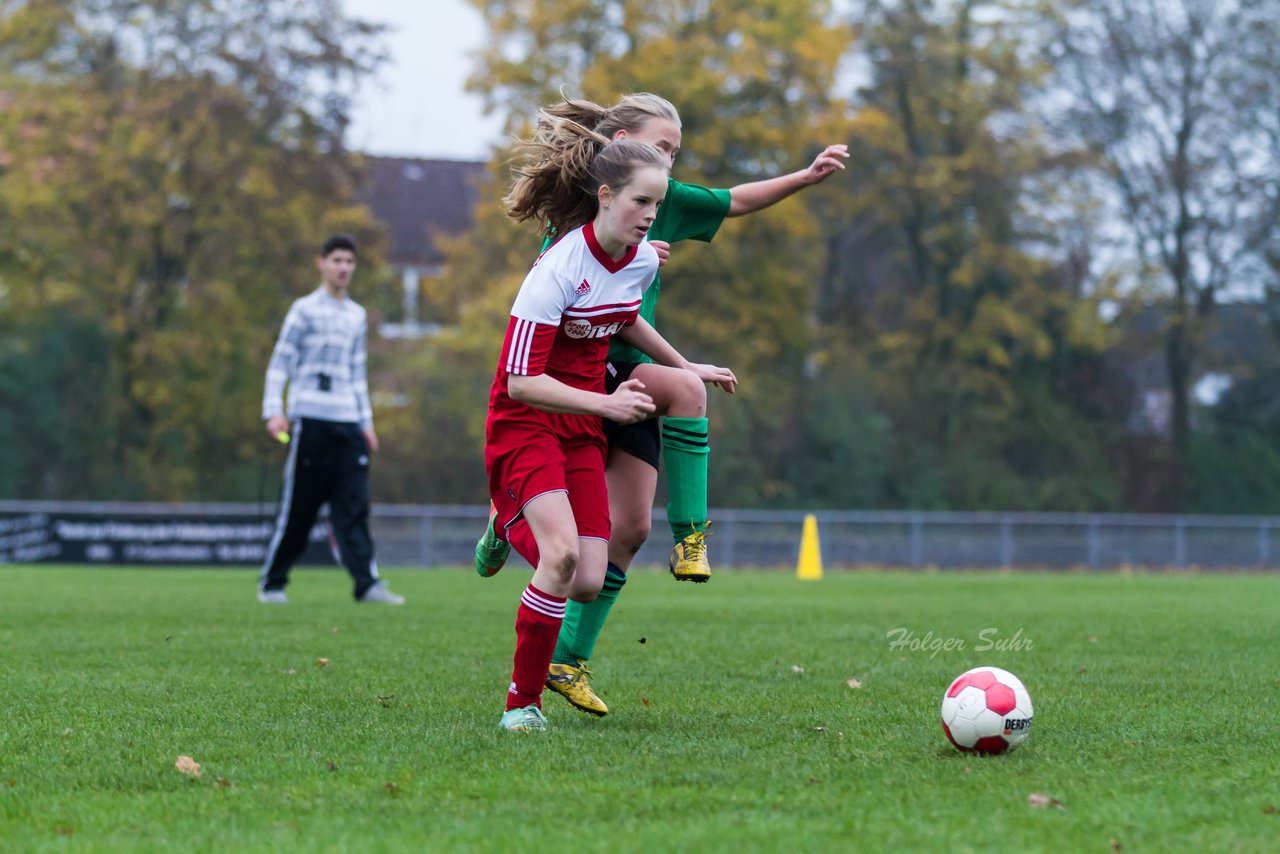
column 689, row 212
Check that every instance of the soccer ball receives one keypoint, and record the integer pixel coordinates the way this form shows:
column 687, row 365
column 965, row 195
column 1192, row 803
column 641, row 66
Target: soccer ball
column 986, row 710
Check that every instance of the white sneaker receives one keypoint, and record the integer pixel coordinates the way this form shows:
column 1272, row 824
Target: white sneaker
column 379, row 594
column 273, row 597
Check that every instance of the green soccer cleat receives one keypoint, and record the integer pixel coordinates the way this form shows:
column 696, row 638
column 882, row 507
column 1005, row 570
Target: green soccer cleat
column 573, row 683
column 491, row 552
column 688, row 560
column 528, row 719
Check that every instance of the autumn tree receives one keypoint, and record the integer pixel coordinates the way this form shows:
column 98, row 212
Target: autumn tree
column 168, row 170
column 949, row 302
column 1178, row 99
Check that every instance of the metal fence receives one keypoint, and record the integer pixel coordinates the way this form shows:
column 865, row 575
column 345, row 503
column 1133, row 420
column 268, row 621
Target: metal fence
column 445, row 536
column 989, row 540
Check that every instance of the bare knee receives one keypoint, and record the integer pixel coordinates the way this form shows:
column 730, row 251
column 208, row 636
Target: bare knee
column 688, row 396
column 584, row 597
column 631, row 532
column 562, row 559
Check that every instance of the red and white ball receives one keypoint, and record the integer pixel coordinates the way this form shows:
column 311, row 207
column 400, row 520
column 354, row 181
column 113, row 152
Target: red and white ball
column 986, row 710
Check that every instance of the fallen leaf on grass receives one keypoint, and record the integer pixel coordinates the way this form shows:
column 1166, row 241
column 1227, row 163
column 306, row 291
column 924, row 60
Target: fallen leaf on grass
column 322, row 661
column 816, row 782
column 63, row 830
column 795, row 668
column 644, row 699
column 1269, row 809
column 387, row 701
column 292, row 671
column 1116, row 846
column 223, row 783
column 187, row 765
column 392, row 789
column 329, row 766
column 1037, row 800
column 854, row 683
column 819, row 729
column 68, row 731
column 1093, row 638
column 12, row 782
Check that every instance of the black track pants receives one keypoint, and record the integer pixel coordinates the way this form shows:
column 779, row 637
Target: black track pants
column 328, row 464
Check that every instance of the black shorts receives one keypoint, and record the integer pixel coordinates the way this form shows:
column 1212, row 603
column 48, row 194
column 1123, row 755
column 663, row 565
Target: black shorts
column 643, row 439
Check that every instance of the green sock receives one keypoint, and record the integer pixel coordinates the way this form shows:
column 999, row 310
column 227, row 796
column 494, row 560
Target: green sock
column 582, row 623
column 684, row 440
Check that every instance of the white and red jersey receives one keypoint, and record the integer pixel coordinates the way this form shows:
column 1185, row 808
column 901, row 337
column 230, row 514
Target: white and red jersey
column 571, row 303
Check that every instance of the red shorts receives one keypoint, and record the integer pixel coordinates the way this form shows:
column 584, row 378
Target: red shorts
column 534, row 453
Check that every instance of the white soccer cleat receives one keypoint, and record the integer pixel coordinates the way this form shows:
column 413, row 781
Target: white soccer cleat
column 379, row 594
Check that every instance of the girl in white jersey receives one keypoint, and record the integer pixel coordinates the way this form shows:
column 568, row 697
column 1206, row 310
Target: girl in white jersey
column 544, row 440
column 689, row 212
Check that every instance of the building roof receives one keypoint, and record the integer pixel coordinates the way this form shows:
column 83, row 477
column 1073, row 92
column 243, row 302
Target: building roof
column 416, row 199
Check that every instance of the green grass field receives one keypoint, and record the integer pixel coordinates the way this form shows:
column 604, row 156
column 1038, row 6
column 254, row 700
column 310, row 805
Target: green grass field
column 734, row 726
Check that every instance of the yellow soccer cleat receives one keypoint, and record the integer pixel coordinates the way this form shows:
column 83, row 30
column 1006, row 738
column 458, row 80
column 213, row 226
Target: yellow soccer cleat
column 688, row 561
column 573, row 683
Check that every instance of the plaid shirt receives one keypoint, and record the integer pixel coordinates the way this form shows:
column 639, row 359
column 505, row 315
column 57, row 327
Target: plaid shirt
column 321, row 355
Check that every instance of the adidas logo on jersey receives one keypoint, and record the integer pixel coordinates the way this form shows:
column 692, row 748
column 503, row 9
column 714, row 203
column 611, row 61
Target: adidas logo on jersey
column 584, row 288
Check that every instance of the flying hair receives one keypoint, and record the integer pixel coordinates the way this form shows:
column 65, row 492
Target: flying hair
column 549, row 183
column 559, row 186
column 630, row 114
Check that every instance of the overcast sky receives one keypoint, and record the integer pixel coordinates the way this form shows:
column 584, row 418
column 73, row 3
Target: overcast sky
column 417, row 106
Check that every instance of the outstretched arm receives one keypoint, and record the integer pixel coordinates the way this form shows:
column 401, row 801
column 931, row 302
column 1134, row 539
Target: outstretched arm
column 749, row 198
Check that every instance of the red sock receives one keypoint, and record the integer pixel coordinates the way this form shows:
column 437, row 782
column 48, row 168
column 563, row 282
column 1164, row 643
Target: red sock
column 521, row 539
column 537, row 627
